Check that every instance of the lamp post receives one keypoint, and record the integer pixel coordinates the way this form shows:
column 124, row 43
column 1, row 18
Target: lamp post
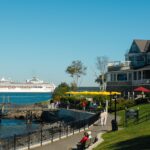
column 110, row 101
column 115, row 96
column 114, row 121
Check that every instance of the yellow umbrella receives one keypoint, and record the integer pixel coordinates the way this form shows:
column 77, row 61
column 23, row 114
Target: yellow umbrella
column 117, row 93
column 93, row 93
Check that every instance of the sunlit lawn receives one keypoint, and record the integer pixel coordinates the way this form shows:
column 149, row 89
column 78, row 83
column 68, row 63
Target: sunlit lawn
column 134, row 137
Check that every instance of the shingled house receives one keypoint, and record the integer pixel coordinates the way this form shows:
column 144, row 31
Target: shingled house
column 134, row 71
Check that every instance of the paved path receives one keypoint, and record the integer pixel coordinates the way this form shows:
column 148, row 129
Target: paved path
column 71, row 141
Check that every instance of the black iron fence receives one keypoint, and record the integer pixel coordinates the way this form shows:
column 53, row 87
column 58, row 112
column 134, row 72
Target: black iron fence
column 136, row 118
column 47, row 135
column 144, row 117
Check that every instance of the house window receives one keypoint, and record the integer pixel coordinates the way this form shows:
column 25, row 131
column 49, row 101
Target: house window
column 130, row 76
column 111, row 77
column 140, row 58
column 148, row 59
column 108, row 77
column 146, row 74
column 139, row 75
column 135, row 76
column 114, row 77
column 122, row 77
column 131, row 58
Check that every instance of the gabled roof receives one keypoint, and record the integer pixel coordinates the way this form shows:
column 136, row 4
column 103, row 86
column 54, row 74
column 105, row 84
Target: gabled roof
column 143, row 45
column 147, row 47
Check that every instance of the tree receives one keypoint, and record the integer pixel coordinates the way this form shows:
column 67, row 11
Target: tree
column 73, row 86
column 101, row 65
column 76, row 70
column 60, row 91
column 99, row 79
column 102, row 82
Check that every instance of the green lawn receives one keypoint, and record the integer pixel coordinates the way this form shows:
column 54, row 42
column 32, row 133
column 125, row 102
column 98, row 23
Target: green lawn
column 134, row 137
column 143, row 110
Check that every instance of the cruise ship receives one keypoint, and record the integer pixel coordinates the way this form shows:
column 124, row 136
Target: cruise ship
column 30, row 86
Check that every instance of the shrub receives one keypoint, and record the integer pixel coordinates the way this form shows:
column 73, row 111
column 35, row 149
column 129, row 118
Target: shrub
column 122, row 103
column 141, row 100
column 74, row 102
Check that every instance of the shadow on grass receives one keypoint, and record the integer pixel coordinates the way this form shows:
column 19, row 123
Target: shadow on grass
column 140, row 143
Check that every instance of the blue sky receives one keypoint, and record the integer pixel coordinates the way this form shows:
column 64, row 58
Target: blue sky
column 43, row 37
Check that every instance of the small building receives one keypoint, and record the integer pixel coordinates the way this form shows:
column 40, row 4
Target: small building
column 134, row 71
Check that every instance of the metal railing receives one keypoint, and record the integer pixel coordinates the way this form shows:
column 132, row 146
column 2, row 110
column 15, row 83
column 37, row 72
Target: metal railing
column 142, row 117
column 51, row 134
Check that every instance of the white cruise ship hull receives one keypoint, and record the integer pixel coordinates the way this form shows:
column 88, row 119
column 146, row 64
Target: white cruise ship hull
column 17, row 90
column 30, row 86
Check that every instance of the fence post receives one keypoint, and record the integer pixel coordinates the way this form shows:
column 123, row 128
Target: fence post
column 8, row 143
column 29, row 140
column 73, row 128
column 79, row 125
column 67, row 129
column 52, row 134
column 60, row 130
column 14, row 141
column 41, row 136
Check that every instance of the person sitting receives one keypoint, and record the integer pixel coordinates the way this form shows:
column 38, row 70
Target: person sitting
column 81, row 144
column 92, row 139
column 85, row 138
column 89, row 135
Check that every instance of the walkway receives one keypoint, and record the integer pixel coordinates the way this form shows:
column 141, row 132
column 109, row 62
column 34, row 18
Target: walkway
column 71, row 141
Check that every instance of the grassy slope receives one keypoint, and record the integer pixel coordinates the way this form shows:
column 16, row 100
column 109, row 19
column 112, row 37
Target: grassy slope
column 134, row 137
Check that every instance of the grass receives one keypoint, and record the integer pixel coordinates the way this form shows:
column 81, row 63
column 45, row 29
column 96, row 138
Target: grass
column 143, row 110
column 134, row 137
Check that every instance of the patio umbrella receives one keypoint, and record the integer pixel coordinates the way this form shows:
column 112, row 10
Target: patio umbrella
column 141, row 89
column 93, row 93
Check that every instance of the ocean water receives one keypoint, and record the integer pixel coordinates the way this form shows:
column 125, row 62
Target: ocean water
column 24, row 98
column 9, row 127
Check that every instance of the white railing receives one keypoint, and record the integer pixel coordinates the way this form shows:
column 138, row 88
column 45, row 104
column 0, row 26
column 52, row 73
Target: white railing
column 144, row 81
column 122, row 65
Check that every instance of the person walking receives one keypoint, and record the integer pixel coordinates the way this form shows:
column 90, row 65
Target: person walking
column 84, row 105
column 103, row 118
